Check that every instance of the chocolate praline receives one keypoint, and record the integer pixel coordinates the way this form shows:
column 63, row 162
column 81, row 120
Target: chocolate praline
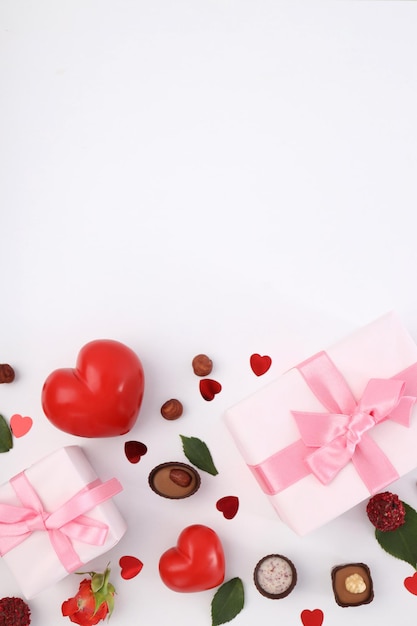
column 174, row 480
column 275, row 576
column 342, row 595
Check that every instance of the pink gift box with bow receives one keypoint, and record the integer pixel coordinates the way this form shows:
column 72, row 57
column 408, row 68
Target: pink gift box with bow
column 335, row 429
column 56, row 516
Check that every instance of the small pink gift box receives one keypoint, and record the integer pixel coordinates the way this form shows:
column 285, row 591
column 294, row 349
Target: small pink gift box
column 56, row 516
column 335, row 429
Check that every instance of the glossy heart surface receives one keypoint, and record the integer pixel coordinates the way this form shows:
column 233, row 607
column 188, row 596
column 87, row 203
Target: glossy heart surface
column 196, row 563
column 101, row 396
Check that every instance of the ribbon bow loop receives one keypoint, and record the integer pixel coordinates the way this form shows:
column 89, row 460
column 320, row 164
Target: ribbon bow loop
column 337, row 437
column 63, row 525
column 330, row 440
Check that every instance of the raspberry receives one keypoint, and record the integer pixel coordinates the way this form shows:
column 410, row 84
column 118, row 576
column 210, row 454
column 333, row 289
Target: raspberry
column 14, row 612
column 386, row 511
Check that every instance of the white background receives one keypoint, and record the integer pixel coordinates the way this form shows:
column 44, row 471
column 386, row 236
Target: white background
column 210, row 176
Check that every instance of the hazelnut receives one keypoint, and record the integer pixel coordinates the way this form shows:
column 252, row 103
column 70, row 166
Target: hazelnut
column 6, row 373
column 355, row 584
column 171, row 409
column 180, row 477
column 202, row 365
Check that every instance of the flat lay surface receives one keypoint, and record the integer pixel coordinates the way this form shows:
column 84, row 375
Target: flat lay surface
column 230, row 179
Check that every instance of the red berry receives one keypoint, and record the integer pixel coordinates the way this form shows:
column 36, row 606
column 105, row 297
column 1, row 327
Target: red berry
column 386, row 511
column 14, row 612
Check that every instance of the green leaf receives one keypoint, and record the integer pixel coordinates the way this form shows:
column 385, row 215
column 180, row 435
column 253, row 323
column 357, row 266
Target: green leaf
column 6, row 439
column 198, row 454
column 227, row 602
column 402, row 542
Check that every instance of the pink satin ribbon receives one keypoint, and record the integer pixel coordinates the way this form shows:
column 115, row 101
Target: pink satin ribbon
column 329, row 441
column 64, row 525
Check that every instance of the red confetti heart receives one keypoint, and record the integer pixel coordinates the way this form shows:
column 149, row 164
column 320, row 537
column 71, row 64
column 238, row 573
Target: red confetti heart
column 130, row 567
column 312, row 618
column 135, row 450
column 20, row 425
column 209, row 388
column 410, row 584
column 229, row 506
column 260, row 364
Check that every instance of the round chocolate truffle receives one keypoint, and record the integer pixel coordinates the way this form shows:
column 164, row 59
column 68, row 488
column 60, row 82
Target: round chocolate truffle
column 174, row 480
column 275, row 576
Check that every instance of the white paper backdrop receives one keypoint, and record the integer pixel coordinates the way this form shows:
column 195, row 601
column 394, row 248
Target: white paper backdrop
column 204, row 176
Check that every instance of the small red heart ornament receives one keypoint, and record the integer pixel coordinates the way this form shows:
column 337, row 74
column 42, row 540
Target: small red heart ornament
column 209, row 388
column 196, row 563
column 228, row 505
column 130, row 567
column 260, row 364
column 20, row 425
column 410, row 583
column 135, row 450
column 101, row 397
column 312, row 618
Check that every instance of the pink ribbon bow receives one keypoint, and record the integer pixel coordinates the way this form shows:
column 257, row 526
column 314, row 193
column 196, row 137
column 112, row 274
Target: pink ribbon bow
column 331, row 440
column 64, row 525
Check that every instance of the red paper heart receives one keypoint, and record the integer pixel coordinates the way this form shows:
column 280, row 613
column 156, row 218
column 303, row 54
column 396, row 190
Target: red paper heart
column 209, row 388
column 130, row 567
column 228, row 505
column 312, row 618
column 410, row 583
column 101, row 397
column 197, row 562
column 20, row 425
column 260, row 364
column 135, row 450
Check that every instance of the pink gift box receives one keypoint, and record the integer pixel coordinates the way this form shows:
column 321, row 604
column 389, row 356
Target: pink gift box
column 55, row 517
column 342, row 425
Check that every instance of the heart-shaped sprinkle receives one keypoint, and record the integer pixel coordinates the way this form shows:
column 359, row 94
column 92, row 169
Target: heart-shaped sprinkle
column 260, row 364
column 312, row 618
column 130, row 567
column 135, row 450
column 209, row 388
column 229, row 506
column 410, row 583
column 20, row 425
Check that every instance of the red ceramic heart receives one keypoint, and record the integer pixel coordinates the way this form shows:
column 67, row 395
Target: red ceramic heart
column 228, row 505
column 260, row 364
column 20, row 425
column 101, row 397
column 209, row 388
column 135, row 450
column 410, row 583
column 312, row 618
column 130, row 567
column 196, row 563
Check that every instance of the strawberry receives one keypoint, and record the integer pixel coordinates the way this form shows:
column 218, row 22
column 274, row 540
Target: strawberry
column 93, row 602
column 14, row 612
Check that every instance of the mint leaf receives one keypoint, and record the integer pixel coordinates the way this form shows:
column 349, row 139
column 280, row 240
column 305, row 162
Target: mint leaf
column 227, row 602
column 6, row 440
column 401, row 542
column 198, row 454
